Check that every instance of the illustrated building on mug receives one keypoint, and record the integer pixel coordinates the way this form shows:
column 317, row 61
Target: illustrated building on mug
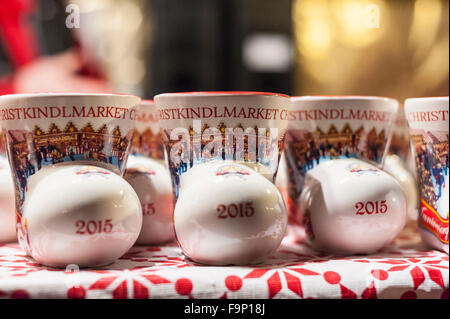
column 148, row 144
column 2, row 143
column 32, row 150
column 51, row 145
column 438, row 140
column 400, row 139
column 306, row 149
column 432, row 162
column 230, row 150
column 198, row 138
column 334, row 144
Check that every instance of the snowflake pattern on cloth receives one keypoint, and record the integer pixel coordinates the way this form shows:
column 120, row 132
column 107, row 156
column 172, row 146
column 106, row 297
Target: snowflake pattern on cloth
column 405, row 269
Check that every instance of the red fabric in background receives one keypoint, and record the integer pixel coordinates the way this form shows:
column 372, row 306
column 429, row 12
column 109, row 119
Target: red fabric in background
column 16, row 33
column 17, row 37
column 6, row 86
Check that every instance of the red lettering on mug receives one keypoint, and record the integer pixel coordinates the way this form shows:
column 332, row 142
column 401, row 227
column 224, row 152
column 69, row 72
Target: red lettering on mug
column 371, row 207
column 148, row 209
column 235, row 210
column 94, row 226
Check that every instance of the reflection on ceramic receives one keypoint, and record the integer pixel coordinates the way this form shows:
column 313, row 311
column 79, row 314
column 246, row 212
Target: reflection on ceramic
column 147, row 172
column 322, row 128
column 228, row 214
column 400, row 136
column 247, row 127
column 151, row 181
column 83, row 215
column 395, row 166
column 351, row 207
column 7, row 216
column 428, row 128
column 147, row 138
column 294, row 229
column 400, row 144
column 282, row 179
column 47, row 134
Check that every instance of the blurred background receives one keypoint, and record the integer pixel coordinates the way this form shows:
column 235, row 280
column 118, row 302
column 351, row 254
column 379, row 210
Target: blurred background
column 396, row 48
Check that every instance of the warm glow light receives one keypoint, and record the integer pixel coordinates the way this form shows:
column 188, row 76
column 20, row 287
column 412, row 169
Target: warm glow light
column 130, row 70
column 425, row 25
column 434, row 69
column 312, row 29
column 89, row 5
column 125, row 17
column 354, row 19
column 371, row 47
column 115, row 32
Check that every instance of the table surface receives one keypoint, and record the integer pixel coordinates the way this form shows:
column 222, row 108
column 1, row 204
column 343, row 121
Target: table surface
column 405, row 269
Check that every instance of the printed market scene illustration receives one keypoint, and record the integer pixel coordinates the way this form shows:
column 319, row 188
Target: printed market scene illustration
column 256, row 147
column 431, row 156
column 32, row 151
column 305, row 149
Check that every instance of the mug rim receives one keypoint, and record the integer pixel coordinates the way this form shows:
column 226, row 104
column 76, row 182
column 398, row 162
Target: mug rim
column 65, row 94
column 427, row 98
column 132, row 100
column 342, row 97
column 222, row 93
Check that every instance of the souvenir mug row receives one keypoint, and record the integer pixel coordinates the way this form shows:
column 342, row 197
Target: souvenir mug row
column 86, row 176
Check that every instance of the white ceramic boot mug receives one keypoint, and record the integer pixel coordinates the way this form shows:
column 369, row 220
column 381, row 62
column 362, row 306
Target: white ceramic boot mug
column 67, row 152
column 149, row 176
column 326, row 135
column 351, row 207
column 428, row 120
column 228, row 211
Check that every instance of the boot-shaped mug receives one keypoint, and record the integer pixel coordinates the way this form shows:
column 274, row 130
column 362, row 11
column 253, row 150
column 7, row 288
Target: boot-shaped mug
column 332, row 141
column 148, row 174
column 428, row 128
column 67, row 153
column 223, row 152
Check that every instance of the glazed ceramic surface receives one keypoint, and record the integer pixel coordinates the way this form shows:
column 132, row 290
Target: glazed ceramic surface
column 46, row 133
column 147, row 172
column 151, row 181
column 351, row 207
column 323, row 128
column 428, row 128
column 228, row 214
column 147, row 138
column 247, row 127
column 91, row 218
column 243, row 128
column 400, row 136
column 400, row 163
column 395, row 166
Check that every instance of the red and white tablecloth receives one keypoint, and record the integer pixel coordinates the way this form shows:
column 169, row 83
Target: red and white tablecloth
column 406, row 269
